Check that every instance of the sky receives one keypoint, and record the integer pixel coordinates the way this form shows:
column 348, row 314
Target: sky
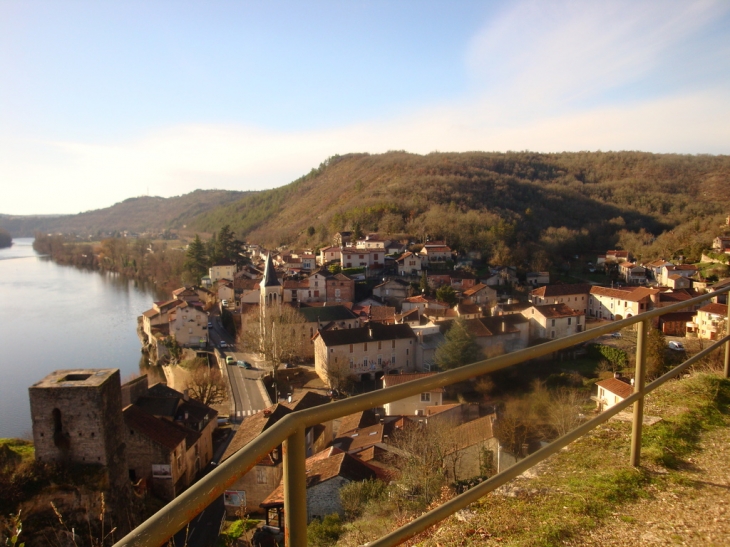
column 102, row 101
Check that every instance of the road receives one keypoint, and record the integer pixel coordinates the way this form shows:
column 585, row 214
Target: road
column 249, row 394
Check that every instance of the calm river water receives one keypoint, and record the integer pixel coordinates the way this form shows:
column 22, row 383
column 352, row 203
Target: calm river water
column 58, row 317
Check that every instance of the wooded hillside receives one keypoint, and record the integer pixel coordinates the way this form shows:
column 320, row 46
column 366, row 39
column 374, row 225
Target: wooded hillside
column 141, row 214
column 512, row 205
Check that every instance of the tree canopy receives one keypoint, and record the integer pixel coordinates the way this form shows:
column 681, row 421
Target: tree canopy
column 459, row 348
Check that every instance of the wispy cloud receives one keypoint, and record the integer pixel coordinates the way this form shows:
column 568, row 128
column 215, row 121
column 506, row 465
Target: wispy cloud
column 544, row 78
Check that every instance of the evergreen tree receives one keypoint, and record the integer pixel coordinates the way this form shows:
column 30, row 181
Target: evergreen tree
column 459, row 349
column 446, row 293
column 656, row 353
column 196, row 261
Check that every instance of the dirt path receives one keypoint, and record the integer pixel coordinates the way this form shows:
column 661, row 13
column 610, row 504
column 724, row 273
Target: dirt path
column 695, row 511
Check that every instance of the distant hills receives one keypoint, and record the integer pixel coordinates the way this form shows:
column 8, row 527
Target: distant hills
column 511, row 205
column 141, row 214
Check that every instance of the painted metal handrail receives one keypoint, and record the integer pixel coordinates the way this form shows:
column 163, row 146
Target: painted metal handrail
column 289, row 431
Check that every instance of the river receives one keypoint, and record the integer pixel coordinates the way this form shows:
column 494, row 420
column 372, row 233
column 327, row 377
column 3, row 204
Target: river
column 56, row 317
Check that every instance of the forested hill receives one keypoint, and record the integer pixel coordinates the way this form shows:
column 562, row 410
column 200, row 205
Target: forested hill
column 503, row 203
column 139, row 214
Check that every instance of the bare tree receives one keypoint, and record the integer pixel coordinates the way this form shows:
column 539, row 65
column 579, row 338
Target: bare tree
column 564, row 413
column 206, row 385
column 277, row 333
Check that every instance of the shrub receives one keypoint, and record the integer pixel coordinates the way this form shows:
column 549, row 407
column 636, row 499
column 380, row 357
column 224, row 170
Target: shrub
column 326, row 532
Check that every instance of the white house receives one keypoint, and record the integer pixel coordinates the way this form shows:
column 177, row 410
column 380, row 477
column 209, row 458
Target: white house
column 415, row 405
column 612, row 392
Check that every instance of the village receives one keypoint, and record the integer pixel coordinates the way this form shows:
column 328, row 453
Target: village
column 292, row 330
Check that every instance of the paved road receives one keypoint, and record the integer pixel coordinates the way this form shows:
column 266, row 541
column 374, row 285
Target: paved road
column 248, row 391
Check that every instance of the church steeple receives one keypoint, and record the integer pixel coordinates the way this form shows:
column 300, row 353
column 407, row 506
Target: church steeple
column 271, row 290
column 269, row 274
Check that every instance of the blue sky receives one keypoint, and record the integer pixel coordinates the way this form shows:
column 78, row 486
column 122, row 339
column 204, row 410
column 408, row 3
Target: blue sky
column 102, row 101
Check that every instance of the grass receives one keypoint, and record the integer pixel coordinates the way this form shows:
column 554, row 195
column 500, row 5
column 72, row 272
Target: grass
column 591, row 479
column 24, row 449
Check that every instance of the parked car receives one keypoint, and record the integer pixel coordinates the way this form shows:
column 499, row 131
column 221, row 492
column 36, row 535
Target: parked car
column 615, row 335
column 230, row 359
column 676, row 346
column 210, row 325
column 223, row 344
column 244, row 364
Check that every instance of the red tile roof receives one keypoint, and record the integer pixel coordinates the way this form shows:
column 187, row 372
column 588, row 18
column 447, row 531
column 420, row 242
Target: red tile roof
column 617, row 387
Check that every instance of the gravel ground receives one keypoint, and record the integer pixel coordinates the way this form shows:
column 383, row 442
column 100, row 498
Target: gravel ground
column 694, row 512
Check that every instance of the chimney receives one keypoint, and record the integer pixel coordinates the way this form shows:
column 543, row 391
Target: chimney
column 370, row 330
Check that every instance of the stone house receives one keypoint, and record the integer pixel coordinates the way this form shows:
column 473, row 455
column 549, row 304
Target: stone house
column 606, row 303
column 157, row 316
column 373, row 241
column 654, row 268
column 574, row 295
column 409, row 264
column 328, row 255
column 721, row 244
column 436, row 251
column 188, row 324
column 612, row 391
column 710, row 322
column 501, row 334
column 677, row 281
column 551, row 321
column 365, row 352
column 632, row 273
column 171, row 406
column 158, row 448
column 324, row 317
column 422, row 303
column 362, row 258
column 482, row 295
column 223, row 269
column 537, row 278
column 340, row 288
column 475, row 452
column 684, row 270
column 393, row 292
column 226, row 290
column 616, row 256
column 415, row 405
column 327, row 472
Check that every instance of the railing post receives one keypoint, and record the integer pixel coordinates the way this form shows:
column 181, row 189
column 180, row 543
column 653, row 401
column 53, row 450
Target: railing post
column 639, row 380
column 295, row 490
column 727, row 344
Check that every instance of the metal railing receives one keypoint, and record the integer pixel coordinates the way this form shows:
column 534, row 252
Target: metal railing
column 290, row 431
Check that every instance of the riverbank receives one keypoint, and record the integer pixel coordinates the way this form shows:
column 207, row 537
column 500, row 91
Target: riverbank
column 139, row 259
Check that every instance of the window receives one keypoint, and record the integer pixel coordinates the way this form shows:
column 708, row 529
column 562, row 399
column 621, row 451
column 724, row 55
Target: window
column 380, row 360
column 365, row 362
column 380, row 344
column 569, row 320
column 392, row 344
column 425, row 397
column 365, row 346
column 392, row 359
column 260, row 475
column 552, row 334
column 407, row 350
column 351, row 348
column 337, row 293
column 553, row 323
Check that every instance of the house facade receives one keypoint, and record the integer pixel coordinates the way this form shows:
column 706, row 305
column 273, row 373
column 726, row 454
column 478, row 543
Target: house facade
column 364, row 352
column 223, row 269
column 415, row 405
column 710, row 322
column 189, row 325
column 436, row 251
column 573, row 295
column 551, row 321
column 612, row 391
column 409, row 264
column 606, row 303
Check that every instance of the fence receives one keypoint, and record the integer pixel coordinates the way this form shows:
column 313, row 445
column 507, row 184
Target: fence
column 290, row 431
